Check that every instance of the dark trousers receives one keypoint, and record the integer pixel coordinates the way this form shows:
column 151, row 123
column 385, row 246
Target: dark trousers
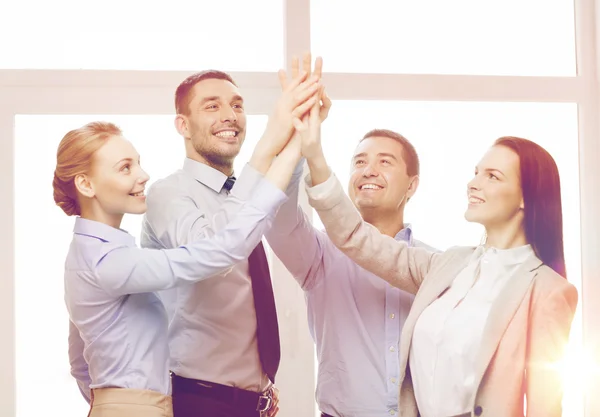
column 191, row 399
column 193, row 405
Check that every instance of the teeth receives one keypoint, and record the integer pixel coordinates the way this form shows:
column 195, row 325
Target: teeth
column 140, row 194
column 475, row 200
column 226, row 134
column 370, row 187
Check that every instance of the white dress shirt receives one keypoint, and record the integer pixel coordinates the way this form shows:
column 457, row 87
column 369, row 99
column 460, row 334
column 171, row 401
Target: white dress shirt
column 448, row 333
column 212, row 329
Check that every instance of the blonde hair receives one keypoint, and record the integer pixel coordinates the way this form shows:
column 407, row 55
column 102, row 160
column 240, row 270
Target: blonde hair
column 73, row 158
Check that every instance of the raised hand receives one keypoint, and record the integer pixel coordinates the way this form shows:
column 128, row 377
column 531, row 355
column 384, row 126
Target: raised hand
column 309, row 130
column 306, row 67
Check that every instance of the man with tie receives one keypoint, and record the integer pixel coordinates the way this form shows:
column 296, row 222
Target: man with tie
column 223, row 333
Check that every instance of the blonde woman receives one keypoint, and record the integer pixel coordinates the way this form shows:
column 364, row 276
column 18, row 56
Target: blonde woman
column 489, row 324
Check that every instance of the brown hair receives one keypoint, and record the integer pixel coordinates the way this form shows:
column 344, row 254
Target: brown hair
column 182, row 94
column 540, row 184
column 73, row 158
column 409, row 154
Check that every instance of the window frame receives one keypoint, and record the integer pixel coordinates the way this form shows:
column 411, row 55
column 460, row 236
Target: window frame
column 151, row 92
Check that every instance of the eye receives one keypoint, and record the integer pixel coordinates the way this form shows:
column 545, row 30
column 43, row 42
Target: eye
column 385, row 162
column 126, row 168
column 211, row 107
column 238, row 106
column 492, row 176
column 359, row 162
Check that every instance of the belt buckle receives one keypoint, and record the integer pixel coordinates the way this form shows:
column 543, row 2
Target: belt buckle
column 264, row 403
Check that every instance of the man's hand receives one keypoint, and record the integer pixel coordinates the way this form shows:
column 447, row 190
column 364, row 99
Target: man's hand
column 309, row 130
column 275, row 406
column 306, row 67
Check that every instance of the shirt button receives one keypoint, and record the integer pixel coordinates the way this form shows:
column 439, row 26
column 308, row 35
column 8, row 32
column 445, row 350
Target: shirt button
column 392, row 412
column 393, row 380
column 392, row 349
column 392, row 315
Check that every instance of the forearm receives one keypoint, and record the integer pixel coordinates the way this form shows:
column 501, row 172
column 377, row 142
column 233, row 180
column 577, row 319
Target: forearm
column 282, row 168
column 263, row 154
column 319, row 170
column 126, row 270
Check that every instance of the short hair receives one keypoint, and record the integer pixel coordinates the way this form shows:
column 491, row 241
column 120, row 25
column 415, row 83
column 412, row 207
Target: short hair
column 74, row 157
column 409, row 154
column 182, row 94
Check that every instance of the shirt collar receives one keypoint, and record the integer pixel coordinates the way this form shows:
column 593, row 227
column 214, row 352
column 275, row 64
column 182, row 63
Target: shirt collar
column 102, row 231
column 508, row 257
column 405, row 234
column 205, row 174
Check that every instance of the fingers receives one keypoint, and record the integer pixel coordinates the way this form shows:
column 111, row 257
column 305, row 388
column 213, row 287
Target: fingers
column 318, row 71
column 305, row 91
column 326, row 106
column 300, row 110
column 282, row 78
column 306, row 62
column 297, row 81
column 296, row 67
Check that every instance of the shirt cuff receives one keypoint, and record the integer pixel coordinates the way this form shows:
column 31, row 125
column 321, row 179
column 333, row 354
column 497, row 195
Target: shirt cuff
column 267, row 197
column 246, row 184
column 326, row 195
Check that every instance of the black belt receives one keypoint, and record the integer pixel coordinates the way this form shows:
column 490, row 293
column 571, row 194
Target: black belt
column 242, row 398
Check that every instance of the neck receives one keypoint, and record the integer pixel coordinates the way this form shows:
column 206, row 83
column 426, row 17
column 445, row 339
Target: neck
column 226, row 167
column 506, row 237
column 387, row 224
column 96, row 214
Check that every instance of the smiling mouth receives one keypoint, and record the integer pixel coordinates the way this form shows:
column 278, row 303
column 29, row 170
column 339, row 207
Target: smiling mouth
column 370, row 187
column 475, row 200
column 227, row 134
column 140, row 194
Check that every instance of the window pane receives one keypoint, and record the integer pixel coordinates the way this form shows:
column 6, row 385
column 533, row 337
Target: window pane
column 511, row 37
column 135, row 35
column 44, row 231
column 450, row 138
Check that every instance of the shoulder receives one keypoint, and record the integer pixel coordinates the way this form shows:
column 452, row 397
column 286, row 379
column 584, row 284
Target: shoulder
column 176, row 182
column 549, row 284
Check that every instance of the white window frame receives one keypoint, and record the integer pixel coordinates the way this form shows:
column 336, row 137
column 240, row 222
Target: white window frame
column 151, row 92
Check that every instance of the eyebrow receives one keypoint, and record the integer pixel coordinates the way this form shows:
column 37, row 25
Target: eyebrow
column 364, row 154
column 491, row 170
column 236, row 97
column 125, row 160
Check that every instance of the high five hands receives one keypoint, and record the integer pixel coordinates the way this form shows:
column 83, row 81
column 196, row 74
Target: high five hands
column 299, row 95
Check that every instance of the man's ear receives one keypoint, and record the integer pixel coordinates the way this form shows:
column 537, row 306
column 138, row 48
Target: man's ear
column 182, row 125
column 412, row 187
column 84, row 186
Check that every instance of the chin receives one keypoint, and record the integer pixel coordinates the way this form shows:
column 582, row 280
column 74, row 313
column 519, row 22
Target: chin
column 141, row 209
column 471, row 217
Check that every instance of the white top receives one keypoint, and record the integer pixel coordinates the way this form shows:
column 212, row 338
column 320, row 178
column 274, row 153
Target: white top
column 448, row 333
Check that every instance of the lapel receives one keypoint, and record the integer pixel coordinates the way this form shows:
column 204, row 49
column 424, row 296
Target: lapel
column 502, row 311
column 436, row 282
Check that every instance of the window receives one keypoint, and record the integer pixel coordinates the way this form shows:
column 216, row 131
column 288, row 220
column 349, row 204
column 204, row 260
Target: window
column 513, row 37
column 44, row 229
column 133, row 35
column 450, row 138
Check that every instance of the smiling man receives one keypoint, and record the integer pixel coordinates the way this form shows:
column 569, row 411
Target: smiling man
column 223, row 332
column 355, row 318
